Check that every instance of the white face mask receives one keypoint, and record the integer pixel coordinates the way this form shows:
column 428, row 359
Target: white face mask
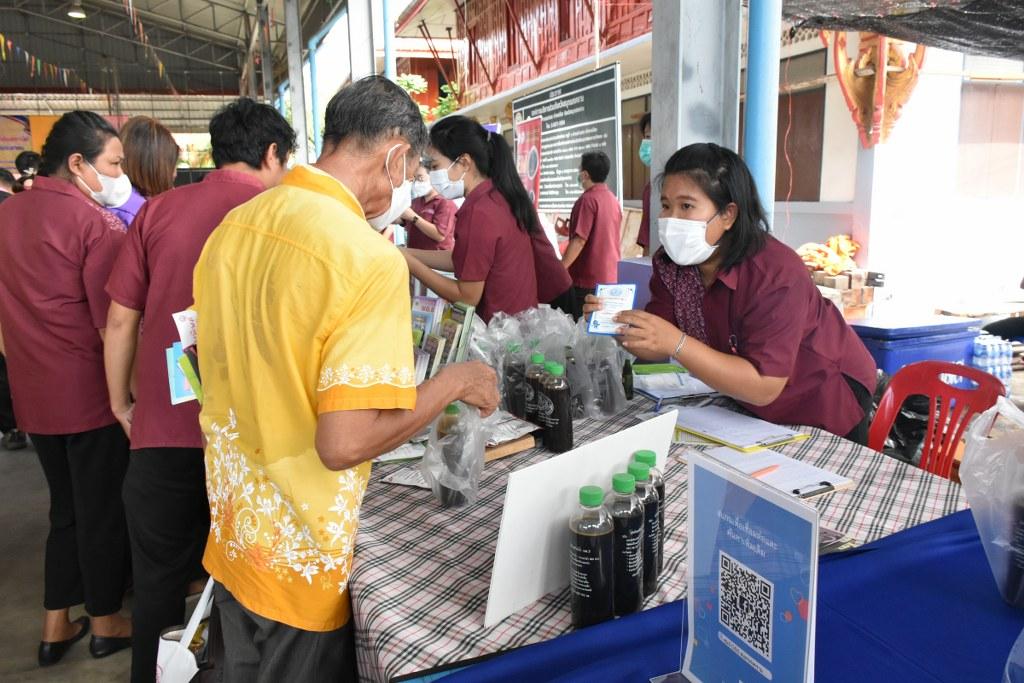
column 445, row 186
column 420, row 188
column 114, row 192
column 401, row 197
column 685, row 241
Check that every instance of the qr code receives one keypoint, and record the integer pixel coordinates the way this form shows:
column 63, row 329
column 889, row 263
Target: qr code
column 745, row 606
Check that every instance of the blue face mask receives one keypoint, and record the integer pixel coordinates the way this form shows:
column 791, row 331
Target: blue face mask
column 645, row 152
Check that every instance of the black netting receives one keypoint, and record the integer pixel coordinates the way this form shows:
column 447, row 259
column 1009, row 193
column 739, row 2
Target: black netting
column 986, row 27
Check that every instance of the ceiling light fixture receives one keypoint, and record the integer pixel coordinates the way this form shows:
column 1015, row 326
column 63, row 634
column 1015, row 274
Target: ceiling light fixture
column 76, row 11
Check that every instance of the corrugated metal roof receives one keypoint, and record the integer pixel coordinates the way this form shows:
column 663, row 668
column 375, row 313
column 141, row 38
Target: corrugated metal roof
column 196, row 46
column 189, row 114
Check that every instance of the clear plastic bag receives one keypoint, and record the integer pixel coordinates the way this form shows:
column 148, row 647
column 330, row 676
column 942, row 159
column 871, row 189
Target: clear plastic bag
column 454, row 458
column 606, row 374
column 1014, row 670
column 992, row 473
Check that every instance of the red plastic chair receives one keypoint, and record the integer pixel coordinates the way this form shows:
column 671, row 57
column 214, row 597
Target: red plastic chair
column 950, row 408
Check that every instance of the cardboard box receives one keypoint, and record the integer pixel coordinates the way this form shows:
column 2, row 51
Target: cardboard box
column 819, row 277
column 851, row 297
column 858, row 278
column 867, row 295
column 837, row 281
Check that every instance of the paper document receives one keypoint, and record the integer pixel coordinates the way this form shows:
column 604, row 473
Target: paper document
column 741, row 432
column 407, row 476
column 791, row 476
column 670, row 385
column 504, row 427
column 407, row 451
column 614, row 300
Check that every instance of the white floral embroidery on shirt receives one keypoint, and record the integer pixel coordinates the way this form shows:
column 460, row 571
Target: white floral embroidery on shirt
column 362, row 376
column 265, row 530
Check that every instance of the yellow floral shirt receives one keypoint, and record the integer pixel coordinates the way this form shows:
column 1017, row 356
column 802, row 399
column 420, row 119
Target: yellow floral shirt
column 302, row 309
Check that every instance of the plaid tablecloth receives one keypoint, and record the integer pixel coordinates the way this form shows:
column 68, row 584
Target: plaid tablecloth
column 421, row 575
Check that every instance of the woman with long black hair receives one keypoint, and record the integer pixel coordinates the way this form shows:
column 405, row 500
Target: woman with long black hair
column 737, row 307
column 502, row 260
column 53, row 312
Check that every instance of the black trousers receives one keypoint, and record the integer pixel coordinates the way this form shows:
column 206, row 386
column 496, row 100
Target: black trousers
column 565, row 302
column 168, row 522
column 859, row 434
column 7, row 422
column 259, row 650
column 581, row 294
column 87, row 547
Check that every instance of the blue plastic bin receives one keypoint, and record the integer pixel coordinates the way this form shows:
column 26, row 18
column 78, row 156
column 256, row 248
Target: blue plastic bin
column 895, row 343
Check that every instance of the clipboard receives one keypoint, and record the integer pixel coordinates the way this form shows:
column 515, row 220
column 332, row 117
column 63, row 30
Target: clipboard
column 793, row 477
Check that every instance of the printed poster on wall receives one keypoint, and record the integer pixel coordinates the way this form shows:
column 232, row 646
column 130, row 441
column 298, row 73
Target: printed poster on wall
column 527, row 135
column 15, row 137
column 582, row 114
column 752, row 579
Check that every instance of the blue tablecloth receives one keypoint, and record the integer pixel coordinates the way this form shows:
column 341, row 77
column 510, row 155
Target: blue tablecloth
column 920, row 605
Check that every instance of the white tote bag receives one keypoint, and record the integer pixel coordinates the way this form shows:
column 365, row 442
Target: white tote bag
column 175, row 663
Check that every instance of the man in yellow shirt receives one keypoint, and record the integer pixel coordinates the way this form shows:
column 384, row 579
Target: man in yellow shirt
column 305, row 353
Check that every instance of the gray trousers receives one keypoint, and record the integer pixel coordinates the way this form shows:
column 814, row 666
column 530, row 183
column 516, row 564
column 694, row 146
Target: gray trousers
column 258, row 650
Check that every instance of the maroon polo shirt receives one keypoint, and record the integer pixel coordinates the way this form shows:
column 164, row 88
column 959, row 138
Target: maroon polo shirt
column 440, row 212
column 490, row 247
column 56, row 249
column 643, row 235
column 552, row 278
column 767, row 310
column 153, row 275
column 597, row 218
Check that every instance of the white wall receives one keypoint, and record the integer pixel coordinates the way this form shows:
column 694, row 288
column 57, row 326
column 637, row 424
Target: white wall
column 935, row 245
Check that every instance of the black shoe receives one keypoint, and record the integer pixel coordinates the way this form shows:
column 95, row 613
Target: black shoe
column 14, row 440
column 102, row 646
column 51, row 653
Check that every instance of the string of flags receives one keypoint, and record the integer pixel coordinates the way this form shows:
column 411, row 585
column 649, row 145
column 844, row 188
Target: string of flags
column 39, row 68
column 140, row 34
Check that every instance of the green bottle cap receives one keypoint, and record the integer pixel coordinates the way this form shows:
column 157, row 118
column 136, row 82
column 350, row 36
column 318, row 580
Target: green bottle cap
column 513, row 347
column 451, row 409
column 648, row 458
column 537, row 358
column 557, row 369
column 623, row 483
column 640, row 471
column 591, row 496
column 550, row 366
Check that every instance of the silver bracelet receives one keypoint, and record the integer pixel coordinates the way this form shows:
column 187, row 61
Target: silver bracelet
column 679, row 346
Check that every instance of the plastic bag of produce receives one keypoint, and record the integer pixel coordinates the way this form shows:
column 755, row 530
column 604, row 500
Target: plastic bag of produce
column 992, row 473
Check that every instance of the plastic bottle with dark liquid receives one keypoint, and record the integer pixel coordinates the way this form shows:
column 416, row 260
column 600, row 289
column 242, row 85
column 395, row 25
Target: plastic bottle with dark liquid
column 1013, row 586
column 514, row 389
column 534, row 374
column 451, row 454
column 628, row 519
column 574, row 373
column 627, row 379
column 652, row 531
column 554, row 409
column 591, row 560
column 649, row 458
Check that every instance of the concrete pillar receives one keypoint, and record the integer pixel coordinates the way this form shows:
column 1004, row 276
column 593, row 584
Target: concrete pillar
column 696, row 77
column 360, row 38
column 293, row 35
column 266, row 53
column 761, row 116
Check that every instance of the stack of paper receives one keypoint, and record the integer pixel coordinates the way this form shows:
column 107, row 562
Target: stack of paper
column 670, row 385
column 729, row 428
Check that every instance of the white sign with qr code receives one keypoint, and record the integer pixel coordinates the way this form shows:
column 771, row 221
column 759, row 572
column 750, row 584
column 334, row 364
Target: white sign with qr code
column 752, row 579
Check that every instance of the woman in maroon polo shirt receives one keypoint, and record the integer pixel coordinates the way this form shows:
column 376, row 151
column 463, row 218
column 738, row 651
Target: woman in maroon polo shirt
column 737, row 307
column 502, row 260
column 58, row 245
